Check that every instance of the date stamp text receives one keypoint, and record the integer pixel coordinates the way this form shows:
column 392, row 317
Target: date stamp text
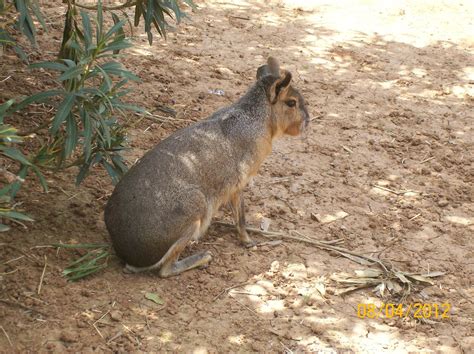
column 416, row 310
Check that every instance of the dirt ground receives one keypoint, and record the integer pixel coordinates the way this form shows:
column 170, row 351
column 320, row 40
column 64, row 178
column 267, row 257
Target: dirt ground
column 390, row 93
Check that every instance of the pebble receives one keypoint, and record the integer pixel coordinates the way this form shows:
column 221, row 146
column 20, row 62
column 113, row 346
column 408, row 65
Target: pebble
column 68, row 337
column 443, row 203
column 116, row 315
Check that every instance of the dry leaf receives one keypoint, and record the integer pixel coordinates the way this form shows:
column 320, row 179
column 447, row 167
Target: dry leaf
column 368, row 273
column 265, row 224
column 420, row 278
column 402, row 278
column 155, row 298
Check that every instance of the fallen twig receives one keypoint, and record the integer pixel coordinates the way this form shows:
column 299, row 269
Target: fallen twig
column 228, row 289
column 118, row 334
column 389, row 190
column 246, row 307
column 426, row 160
column 7, row 336
column 347, row 149
column 42, row 275
column 327, row 245
column 24, row 307
column 14, row 259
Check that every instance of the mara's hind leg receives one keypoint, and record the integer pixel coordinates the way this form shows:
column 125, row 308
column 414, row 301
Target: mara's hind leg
column 238, row 209
column 170, row 265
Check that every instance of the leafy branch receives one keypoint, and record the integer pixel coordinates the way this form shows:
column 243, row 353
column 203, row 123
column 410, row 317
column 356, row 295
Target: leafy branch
column 85, row 130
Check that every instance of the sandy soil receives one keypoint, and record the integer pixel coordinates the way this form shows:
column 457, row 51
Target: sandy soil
column 390, row 92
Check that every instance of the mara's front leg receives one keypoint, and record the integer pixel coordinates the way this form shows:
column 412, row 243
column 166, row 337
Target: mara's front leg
column 238, row 209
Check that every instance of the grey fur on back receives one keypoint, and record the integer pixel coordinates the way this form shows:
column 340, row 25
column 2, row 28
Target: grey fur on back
column 210, row 157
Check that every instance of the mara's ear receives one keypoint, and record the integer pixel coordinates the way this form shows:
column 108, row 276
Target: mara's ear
column 262, row 71
column 280, row 86
column 271, row 68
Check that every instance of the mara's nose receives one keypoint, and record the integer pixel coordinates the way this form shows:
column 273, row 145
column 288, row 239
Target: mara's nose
column 306, row 117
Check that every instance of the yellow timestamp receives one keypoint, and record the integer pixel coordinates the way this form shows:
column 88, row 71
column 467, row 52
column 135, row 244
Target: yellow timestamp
column 416, row 310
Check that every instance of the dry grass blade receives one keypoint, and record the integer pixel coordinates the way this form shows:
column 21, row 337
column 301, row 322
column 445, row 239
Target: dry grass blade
column 7, row 336
column 387, row 277
column 90, row 263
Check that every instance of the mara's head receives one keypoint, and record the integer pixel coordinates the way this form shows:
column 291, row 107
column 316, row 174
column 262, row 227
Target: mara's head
column 288, row 108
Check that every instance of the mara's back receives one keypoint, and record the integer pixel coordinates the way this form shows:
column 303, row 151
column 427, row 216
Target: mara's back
column 195, row 168
column 169, row 197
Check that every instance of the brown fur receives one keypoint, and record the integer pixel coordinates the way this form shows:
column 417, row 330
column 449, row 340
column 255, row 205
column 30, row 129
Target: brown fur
column 171, row 194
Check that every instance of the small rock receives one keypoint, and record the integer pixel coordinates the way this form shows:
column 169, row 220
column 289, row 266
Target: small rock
column 326, row 219
column 317, row 328
column 425, row 171
column 81, row 324
column 171, row 311
column 86, row 293
column 443, row 203
column 79, row 212
column 259, row 347
column 68, row 337
column 116, row 315
column 224, row 72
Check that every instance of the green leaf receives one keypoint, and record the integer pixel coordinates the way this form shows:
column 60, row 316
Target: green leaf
column 48, row 65
column 87, row 133
column 105, row 132
column 40, row 177
column 97, row 158
column 148, row 18
column 63, row 112
column 15, row 154
column 107, row 79
column 36, row 10
column 71, row 73
column 15, row 215
column 118, row 163
column 71, row 139
column 4, row 228
column 4, row 108
column 70, row 63
column 83, row 172
column 111, row 171
column 120, row 36
column 111, row 65
column 114, row 68
column 160, row 22
column 86, row 23
column 25, row 22
column 15, row 186
column 100, row 22
column 155, row 298
column 21, row 53
column 117, row 45
column 37, row 98
column 115, row 28
column 138, row 13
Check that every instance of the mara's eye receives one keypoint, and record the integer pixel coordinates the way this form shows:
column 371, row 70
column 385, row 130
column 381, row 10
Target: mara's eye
column 291, row 103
